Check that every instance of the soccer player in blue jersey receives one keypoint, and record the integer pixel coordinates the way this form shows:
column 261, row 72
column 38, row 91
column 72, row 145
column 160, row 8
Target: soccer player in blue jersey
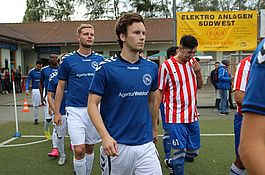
column 45, row 74
column 76, row 71
column 34, row 77
column 126, row 86
column 60, row 131
column 252, row 141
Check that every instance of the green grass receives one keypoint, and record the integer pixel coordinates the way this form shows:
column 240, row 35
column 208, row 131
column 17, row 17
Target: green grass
column 216, row 153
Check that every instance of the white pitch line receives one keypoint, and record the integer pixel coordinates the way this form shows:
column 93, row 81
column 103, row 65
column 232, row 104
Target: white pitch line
column 209, row 135
column 3, row 144
column 24, row 144
column 7, row 141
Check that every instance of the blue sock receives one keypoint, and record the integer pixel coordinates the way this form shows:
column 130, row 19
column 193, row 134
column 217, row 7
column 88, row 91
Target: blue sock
column 167, row 146
column 178, row 162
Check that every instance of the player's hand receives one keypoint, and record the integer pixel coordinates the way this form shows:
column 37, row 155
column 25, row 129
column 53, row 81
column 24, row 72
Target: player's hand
column 196, row 66
column 58, row 119
column 110, row 146
column 50, row 111
column 27, row 92
column 43, row 102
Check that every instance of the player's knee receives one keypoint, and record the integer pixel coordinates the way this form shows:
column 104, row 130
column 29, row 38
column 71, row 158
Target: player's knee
column 89, row 149
column 79, row 151
column 48, row 120
column 239, row 163
column 192, row 153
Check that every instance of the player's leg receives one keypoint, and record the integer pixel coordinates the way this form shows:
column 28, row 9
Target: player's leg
column 147, row 162
column 237, row 168
column 178, row 137
column 193, row 142
column 35, row 95
column 61, row 133
column 166, row 137
column 123, row 164
column 92, row 137
column 76, row 129
column 47, row 119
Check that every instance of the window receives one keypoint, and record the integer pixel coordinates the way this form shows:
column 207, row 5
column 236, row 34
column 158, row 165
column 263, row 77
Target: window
column 112, row 53
column 99, row 52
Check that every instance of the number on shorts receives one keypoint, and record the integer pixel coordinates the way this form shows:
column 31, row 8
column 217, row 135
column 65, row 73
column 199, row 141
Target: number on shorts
column 175, row 142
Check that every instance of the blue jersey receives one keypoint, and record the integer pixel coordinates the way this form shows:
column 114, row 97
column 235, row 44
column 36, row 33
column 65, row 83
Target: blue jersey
column 124, row 88
column 45, row 74
column 52, row 85
column 254, row 100
column 34, row 76
column 78, row 70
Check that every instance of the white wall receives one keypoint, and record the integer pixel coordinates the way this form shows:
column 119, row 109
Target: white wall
column 19, row 57
column 30, row 58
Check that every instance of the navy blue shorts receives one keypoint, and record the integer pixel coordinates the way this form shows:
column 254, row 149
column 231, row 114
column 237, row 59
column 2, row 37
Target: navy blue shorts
column 185, row 135
column 237, row 128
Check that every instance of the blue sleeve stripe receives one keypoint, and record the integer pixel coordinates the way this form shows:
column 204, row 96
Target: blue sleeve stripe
column 253, row 108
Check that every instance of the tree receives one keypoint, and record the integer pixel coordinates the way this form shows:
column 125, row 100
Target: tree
column 61, row 10
column 96, row 9
column 36, row 10
column 151, row 9
column 219, row 5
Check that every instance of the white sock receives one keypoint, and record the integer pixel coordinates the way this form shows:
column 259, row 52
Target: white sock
column 89, row 162
column 80, row 166
column 60, row 144
column 55, row 139
column 46, row 125
column 36, row 112
column 234, row 170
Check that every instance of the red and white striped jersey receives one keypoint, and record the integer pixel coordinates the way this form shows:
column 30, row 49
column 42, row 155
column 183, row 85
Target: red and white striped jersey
column 241, row 77
column 179, row 85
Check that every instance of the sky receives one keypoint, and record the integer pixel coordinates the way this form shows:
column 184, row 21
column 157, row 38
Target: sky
column 12, row 11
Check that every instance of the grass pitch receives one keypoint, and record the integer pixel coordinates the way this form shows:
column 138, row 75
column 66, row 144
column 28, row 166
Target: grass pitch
column 216, row 153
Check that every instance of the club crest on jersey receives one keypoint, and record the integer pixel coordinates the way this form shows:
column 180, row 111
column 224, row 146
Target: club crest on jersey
column 94, row 64
column 147, row 79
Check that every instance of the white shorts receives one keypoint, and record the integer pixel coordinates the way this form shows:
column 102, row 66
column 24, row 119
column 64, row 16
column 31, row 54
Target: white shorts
column 80, row 127
column 46, row 109
column 35, row 95
column 61, row 129
column 132, row 160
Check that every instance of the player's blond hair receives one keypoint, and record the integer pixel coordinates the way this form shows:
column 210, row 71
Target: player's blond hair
column 83, row 26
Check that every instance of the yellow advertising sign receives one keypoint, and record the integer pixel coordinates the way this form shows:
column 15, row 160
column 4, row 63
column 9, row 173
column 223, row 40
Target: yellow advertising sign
column 219, row 31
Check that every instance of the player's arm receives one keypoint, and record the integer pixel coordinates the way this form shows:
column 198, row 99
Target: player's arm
column 154, row 108
column 58, row 100
column 41, row 87
column 252, row 143
column 28, row 83
column 238, row 96
column 197, row 70
column 108, row 143
column 50, row 96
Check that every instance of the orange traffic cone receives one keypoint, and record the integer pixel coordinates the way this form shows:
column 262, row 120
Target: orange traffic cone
column 25, row 106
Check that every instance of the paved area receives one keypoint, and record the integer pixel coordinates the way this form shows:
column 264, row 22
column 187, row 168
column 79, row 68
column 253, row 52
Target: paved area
column 206, row 99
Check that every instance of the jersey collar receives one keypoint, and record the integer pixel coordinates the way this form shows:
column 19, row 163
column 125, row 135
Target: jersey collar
column 123, row 60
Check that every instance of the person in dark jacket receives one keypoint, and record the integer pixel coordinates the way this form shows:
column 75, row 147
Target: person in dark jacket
column 214, row 81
